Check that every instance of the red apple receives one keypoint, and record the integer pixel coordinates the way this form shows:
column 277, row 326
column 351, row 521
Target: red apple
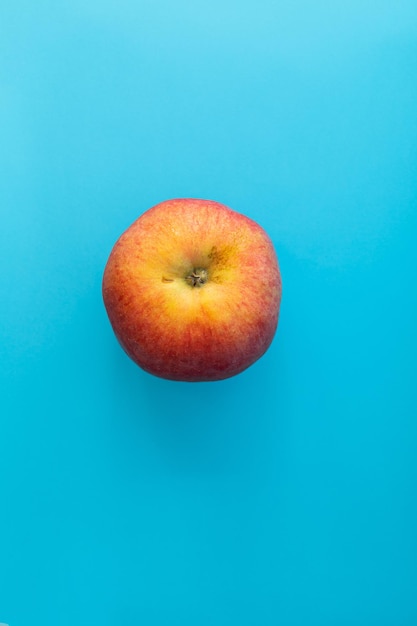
column 192, row 290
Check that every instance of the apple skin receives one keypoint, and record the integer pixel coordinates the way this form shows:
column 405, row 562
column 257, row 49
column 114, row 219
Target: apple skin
column 192, row 290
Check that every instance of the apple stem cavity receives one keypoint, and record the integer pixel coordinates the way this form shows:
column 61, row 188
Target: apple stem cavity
column 197, row 278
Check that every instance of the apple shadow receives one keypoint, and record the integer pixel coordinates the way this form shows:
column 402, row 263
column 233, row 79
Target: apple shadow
column 225, row 426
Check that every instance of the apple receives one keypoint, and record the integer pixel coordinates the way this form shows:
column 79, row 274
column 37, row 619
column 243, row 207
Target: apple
column 192, row 290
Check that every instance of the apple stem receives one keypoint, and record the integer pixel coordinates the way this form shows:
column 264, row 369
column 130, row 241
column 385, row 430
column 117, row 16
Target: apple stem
column 197, row 278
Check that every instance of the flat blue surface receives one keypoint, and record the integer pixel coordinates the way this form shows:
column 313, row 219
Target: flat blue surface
column 284, row 496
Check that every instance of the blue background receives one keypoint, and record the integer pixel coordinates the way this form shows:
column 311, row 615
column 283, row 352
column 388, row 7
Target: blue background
column 284, row 496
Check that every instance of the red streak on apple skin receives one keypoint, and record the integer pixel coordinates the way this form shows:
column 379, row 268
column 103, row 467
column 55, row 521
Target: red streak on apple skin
column 188, row 333
column 202, row 352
